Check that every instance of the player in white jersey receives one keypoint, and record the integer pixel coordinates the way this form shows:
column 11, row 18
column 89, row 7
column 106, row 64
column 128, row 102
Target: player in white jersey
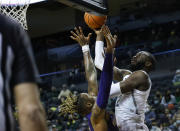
column 132, row 89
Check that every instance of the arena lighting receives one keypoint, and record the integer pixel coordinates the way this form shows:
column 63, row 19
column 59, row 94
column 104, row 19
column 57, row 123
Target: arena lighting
column 20, row 1
column 36, row 1
column 158, row 53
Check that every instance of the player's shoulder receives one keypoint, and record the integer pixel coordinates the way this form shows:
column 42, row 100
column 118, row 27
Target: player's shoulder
column 140, row 74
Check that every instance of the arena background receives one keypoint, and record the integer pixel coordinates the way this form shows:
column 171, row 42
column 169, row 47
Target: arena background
column 151, row 25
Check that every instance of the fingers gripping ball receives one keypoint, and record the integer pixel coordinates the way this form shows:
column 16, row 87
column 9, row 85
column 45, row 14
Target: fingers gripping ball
column 94, row 21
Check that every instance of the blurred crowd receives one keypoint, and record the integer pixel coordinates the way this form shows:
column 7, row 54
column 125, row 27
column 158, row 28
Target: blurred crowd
column 164, row 106
column 155, row 37
column 167, row 35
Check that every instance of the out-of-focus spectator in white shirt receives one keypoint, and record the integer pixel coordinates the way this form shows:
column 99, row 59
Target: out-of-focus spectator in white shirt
column 64, row 93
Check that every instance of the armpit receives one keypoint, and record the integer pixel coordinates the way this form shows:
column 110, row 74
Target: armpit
column 119, row 74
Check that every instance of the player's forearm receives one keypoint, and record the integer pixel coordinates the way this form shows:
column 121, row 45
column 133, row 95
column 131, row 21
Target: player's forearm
column 100, row 37
column 89, row 67
column 105, row 82
column 91, row 74
column 32, row 118
column 99, row 58
column 30, row 111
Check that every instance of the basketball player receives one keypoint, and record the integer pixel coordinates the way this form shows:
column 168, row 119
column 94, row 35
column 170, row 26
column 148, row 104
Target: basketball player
column 132, row 89
column 93, row 104
column 17, row 74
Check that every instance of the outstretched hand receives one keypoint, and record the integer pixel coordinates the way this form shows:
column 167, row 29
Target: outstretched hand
column 110, row 40
column 79, row 36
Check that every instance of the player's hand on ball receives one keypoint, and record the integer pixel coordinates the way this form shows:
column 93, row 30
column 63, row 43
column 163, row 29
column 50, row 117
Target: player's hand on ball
column 78, row 36
column 99, row 34
column 110, row 40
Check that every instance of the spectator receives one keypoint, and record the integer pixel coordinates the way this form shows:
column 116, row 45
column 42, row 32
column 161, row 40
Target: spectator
column 168, row 98
column 168, row 114
column 176, row 120
column 54, row 92
column 64, row 93
column 165, row 126
column 150, row 116
column 54, row 128
column 155, row 127
column 157, row 98
column 173, row 40
column 176, row 79
column 177, row 95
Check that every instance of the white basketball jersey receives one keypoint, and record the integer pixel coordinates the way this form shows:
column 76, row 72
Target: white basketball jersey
column 125, row 108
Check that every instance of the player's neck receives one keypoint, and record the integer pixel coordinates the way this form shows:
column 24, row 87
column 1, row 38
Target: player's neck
column 146, row 70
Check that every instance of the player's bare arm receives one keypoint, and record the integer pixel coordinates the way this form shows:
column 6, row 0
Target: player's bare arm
column 29, row 107
column 91, row 74
column 137, row 80
column 98, row 119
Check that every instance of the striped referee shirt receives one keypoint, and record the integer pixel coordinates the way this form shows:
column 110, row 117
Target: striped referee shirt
column 16, row 67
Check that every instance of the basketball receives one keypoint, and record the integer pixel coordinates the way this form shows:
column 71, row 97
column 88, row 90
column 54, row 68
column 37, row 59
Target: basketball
column 94, row 21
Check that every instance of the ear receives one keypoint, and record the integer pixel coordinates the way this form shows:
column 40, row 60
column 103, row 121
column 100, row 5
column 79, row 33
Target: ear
column 148, row 64
column 89, row 104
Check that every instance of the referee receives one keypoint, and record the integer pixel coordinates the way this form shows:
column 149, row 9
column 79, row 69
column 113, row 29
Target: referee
column 18, row 77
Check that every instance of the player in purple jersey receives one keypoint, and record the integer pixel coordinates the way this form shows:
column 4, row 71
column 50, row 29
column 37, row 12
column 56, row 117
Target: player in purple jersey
column 93, row 104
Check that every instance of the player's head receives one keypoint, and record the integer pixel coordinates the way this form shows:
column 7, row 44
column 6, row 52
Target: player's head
column 143, row 61
column 81, row 104
column 85, row 103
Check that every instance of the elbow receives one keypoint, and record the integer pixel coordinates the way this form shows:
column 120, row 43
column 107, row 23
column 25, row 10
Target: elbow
column 93, row 77
column 98, row 64
column 95, row 62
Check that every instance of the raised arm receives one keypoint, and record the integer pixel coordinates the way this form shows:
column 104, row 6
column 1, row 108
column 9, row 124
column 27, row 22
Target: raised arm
column 118, row 74
column 98, row 113
column 91, row 74
column 99, row 49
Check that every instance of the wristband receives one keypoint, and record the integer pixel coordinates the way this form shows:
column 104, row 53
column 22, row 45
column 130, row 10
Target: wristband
column 85, row 48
